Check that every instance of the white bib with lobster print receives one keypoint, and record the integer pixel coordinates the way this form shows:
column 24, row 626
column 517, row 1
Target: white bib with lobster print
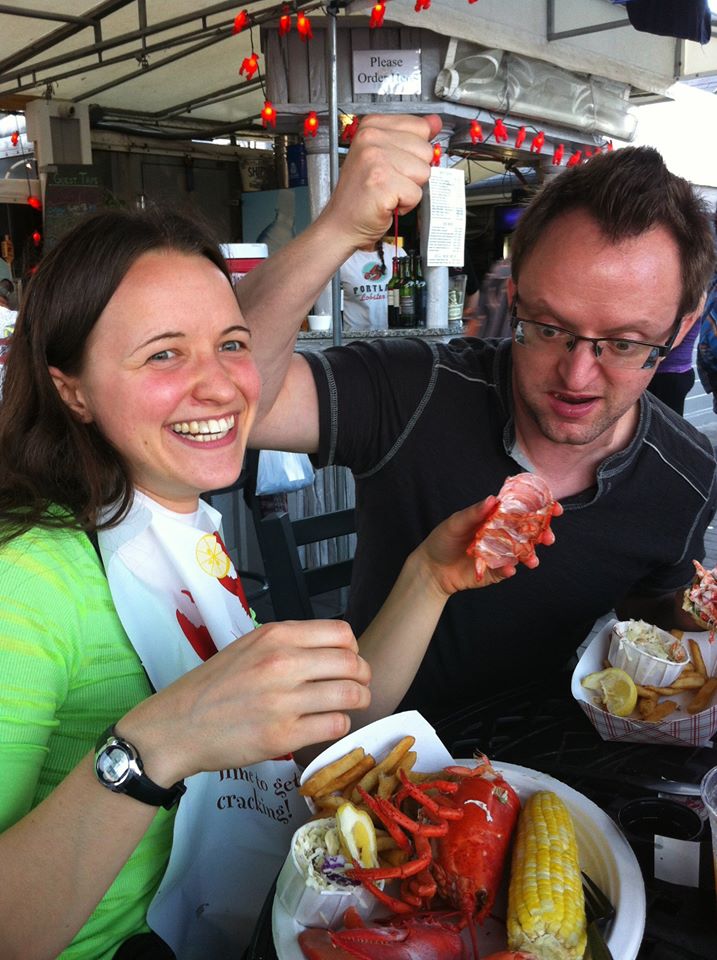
column 180, row 600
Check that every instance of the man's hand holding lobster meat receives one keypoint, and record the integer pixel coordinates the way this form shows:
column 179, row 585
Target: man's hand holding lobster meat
column 395, row 642
column 445, row 551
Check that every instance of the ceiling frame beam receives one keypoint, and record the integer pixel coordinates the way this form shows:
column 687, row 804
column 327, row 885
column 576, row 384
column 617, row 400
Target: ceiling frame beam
column 97, row 49
column 46, row 15
column 552, row 34
column 147, row 67
column 63, row 33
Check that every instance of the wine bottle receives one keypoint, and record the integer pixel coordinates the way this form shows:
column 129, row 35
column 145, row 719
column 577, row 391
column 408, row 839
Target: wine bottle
column 407, row 295
column 421, row 291
column 392, row 295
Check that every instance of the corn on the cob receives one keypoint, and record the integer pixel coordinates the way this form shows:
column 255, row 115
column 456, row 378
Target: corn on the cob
column 546, row 908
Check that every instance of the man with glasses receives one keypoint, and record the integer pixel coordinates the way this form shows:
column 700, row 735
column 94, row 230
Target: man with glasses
column 609, row 266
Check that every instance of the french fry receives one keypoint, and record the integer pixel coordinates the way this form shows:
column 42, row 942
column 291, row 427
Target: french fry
column 647, row 693
column 406, row 764
column 394, row 858
column 660, row 711
column 693, row 681
column 385, row 843
column 703, row 697
column 354, row 773
column 697, row 658
column 663, row 691
column 330, row 804
column 387, row 765
column 679, row 686
column 330, row 772
column 417, row 776
column 387, row 783
column 677, row 634
column 392, row 759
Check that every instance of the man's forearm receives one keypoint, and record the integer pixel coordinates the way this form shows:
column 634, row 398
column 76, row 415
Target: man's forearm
column 386, row 167
column 276, row 296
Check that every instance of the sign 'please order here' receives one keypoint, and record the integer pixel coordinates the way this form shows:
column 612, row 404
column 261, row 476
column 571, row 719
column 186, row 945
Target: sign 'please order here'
column 387, row 72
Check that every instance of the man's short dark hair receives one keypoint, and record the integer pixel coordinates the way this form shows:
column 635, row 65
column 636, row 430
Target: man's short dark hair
column 627, row 192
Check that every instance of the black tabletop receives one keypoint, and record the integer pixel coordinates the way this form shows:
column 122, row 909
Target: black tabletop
column 544, row 730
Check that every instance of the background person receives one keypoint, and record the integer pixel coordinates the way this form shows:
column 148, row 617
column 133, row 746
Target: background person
column 425, row 427
column 364, row 276
column 8, row 313
column 675, row 376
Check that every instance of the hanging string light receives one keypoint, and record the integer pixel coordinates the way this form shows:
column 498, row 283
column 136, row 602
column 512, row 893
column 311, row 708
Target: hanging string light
column 499, row 131
column 311, row 124
column 268, row 114
column 558, row 155
column 538, row 141
column 249, row 65
column 14, row 137
column 303, row 25
column 378, row 12
column 437, row 154
column 240, row 22
column 34, row 202
column 476, row 132
column 37, row 238
column 520, row 138
column 422, row 5
column 285, row 21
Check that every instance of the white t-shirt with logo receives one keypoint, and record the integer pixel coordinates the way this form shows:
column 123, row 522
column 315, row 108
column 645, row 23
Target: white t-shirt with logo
column 364, row 288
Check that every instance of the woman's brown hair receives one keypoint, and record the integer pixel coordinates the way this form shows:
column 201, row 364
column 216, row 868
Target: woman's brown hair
column 48, row 458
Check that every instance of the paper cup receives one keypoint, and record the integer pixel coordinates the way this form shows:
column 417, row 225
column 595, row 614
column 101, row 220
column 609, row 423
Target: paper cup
column 644, row 668
column 312, row 907
column 319, row 321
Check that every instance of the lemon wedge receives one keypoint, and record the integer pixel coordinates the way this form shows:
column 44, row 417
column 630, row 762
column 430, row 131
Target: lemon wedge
column 616, row 688
column 357, row 835
column 211, row 558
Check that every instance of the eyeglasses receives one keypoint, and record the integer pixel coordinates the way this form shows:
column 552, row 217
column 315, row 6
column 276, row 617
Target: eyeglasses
column 628, row 354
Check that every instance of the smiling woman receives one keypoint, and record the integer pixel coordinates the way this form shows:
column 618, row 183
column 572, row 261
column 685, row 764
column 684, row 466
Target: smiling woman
column 131, row 388
column 156, row 380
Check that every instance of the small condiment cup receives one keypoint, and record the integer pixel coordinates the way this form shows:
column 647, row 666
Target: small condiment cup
column 319, row 321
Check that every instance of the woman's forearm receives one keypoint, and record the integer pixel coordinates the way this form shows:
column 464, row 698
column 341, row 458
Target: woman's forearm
column 396, row 640
column 60, row 859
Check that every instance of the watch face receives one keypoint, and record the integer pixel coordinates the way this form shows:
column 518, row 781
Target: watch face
column 113, row 764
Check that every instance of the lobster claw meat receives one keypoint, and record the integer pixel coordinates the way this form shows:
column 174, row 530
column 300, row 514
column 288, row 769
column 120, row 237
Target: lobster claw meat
column 509, row 534
column 419, row 937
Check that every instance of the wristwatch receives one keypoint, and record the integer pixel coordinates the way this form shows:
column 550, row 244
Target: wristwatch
column 119, row 767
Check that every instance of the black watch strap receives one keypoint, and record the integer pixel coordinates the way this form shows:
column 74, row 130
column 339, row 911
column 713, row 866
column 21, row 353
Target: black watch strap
column 132, row 780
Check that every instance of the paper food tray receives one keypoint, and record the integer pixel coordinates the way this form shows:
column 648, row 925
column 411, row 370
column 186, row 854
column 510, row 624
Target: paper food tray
column 680, row 728
column 378, row 738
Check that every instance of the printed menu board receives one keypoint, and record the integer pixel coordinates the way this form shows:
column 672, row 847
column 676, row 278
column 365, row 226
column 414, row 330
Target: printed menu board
column 72, row 191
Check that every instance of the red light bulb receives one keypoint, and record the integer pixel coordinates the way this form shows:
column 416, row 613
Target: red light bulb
column 268, row 114
column 240, row 21
column 378, row 11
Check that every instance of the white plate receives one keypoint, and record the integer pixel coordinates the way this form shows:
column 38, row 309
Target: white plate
column 605, row 855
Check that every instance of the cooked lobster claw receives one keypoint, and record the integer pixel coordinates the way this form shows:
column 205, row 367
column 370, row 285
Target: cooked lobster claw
column 412, row 938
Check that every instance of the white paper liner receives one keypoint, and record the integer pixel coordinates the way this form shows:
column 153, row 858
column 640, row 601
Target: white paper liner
column 379, row 737
column 681, row 728
column 644, row 668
